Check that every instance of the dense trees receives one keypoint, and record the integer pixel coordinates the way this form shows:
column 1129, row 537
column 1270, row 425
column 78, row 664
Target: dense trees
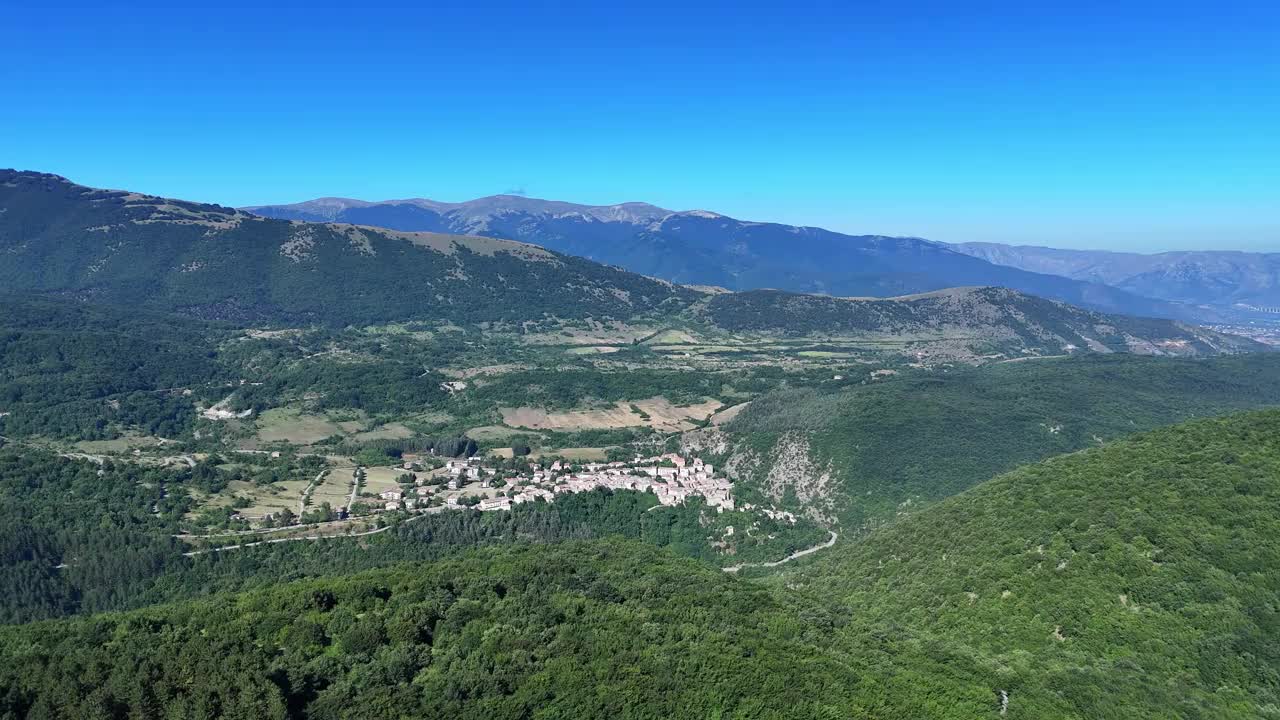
column 72, row 370
column 577, row 630
column 1129, row 581
column 1136, row 580
column 925, row 436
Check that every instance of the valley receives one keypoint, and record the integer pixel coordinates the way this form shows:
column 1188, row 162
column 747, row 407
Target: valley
column 399, row 460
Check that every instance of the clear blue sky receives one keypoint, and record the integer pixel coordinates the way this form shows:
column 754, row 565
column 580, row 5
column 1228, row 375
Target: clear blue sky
column 1123, row 125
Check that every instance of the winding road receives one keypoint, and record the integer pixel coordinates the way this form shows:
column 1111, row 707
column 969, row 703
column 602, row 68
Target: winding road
column 798, row 554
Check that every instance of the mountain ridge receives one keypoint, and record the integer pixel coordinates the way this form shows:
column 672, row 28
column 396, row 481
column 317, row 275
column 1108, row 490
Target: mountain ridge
column 1246, row 280
column 698, row 247
column 219, row 263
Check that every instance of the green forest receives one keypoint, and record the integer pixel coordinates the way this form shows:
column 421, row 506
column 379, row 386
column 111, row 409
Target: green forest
column 925, row 436
column 1133, row 580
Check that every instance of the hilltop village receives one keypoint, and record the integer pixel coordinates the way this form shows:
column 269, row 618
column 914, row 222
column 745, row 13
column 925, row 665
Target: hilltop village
column 468, row 482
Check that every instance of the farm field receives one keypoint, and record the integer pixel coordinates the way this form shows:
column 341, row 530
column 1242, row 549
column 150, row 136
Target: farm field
column 378, row 479
column 662, row 415
column 334, row 489
column 390, row 431
column 293, row 426
column 265, row 499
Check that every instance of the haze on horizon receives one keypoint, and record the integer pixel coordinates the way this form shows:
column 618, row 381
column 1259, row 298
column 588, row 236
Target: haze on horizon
column 1144, row 128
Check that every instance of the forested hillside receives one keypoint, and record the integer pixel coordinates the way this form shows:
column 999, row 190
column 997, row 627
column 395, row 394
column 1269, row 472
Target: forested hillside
column 1135, row 580
column 76, row 370
column 1128, row 581
column 214, row 262
column 573, row 631
column 868, row 452
column 1000, row 318
column 81, row 537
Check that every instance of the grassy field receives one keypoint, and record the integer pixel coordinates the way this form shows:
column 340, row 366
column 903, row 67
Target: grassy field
column 381, row 479
column 293, row 426
column 390, row 431
column 265, row 499
column 334, row 489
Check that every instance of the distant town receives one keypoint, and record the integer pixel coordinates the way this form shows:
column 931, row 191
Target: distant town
column 421, row 484
column 671, row 477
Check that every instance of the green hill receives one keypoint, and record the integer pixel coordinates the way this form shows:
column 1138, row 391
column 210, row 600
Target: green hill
column 70, row 369
column 867, row 452
column 215, row 262
column 993, row 319
column 602, row 630
column 218, row 263
column 1130, row 581
column 1136, row 580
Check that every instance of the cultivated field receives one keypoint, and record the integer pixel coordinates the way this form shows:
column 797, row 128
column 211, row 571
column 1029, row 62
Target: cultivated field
column 661, row 414
column 293, row 426
column 335, row 489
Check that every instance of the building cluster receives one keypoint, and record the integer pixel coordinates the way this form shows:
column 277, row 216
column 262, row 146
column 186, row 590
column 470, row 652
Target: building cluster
column 672, row 478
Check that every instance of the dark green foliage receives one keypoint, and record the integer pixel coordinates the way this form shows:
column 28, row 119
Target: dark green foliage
column 567, row 388
column 924, row 437
column 79, row 537
column 574, row 631
column 1134, row 581
column 80, row 371
column 1137, row 580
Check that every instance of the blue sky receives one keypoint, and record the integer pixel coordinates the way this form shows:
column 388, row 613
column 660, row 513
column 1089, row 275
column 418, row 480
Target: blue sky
column 1119, row 125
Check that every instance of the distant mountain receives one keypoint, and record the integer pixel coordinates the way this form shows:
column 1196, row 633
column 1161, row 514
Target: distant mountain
column 999, row 318
column 210, row 261
column 705, row 248
column 1245, row 281
column 65, row 240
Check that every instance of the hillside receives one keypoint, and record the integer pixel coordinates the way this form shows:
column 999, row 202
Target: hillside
column 1234, row 281
column 69, row 369
column 1136, row 580
column 1000, row 317
column 218, row 263
column 574, row 631
column 1127, row 581
column 705, row 248
column 866, row 453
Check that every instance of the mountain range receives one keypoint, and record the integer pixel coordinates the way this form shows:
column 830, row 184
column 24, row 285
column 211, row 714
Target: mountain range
column 1239, row 281
column 705, row 248
column 65, row 240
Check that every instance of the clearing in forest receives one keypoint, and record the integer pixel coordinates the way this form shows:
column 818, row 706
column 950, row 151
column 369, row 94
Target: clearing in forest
column 293, row 426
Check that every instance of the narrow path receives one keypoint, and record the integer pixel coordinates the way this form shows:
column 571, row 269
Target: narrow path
column 355, row 487
column 375, row 531
column 798, row 554
column 302, row 501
